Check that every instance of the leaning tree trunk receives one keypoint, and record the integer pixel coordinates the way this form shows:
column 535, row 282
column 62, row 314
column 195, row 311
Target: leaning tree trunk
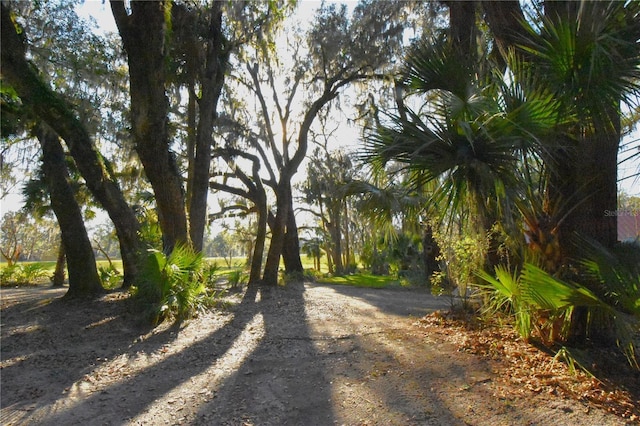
column 81, row 263
column 143, row 34
column 59, row 115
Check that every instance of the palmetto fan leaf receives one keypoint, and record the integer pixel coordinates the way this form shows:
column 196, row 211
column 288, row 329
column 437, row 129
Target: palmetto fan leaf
column 438, row 66
column 544, row 291
column 473, row 132
column 469, row 158
column 532, row 109
column 593, row 62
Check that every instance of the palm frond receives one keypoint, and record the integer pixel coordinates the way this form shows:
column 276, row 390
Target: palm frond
column 592, row 62
column 617, row 274
column 436, row 65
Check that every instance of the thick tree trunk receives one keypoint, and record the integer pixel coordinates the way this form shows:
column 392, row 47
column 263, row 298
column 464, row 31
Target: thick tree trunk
column 81, row 263
column 589, row 181
column 59, row 115
column 261, row 236
column 590, row 184
column 505, row 20
column 594, row 167
column 291, row 249
column 598, row 167
column 144, row 37
column 58, row 274
column 586, row 175
column 278, row 229
column 587, row 184
column 462, row 25
column 191, row 141
column 284, row 237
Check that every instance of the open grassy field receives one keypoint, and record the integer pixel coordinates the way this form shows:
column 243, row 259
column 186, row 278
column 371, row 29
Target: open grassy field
column 362, row 280
column 227, row 266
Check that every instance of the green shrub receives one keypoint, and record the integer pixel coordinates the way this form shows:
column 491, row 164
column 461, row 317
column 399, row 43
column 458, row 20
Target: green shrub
column 351, row 268
column 312, row 275
column 545, row 304
column 6, row 275
column 109, row 276
column 171, row 286
column 414, row 278
column 24, row 274
column 615, row 274
column 440, row 283
column 210, row 272
column 461, row 255
column 375, row 259
column 237, row 278
column 293, row 277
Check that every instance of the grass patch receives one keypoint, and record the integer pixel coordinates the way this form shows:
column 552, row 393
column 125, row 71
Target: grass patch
column 103, row 263
column 26, row 273
column 362, row 280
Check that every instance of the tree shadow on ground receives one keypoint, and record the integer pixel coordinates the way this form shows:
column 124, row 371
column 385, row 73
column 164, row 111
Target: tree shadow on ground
column 121, row 401
column 283, row 381
column 125, row 399
column 49, row 343
column 418, row 302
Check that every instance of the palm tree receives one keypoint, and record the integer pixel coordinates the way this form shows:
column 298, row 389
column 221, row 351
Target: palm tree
column 313, row 248
column 589, row 59
column 545, row 131
column 479, row 128
column 475, row 129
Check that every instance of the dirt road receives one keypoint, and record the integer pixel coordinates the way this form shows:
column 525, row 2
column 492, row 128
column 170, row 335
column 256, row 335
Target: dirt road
column 300, row 355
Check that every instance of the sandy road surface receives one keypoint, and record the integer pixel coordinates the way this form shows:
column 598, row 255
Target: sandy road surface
column 301, row 355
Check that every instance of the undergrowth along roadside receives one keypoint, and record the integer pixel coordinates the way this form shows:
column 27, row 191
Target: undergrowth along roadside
column 523, row 368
